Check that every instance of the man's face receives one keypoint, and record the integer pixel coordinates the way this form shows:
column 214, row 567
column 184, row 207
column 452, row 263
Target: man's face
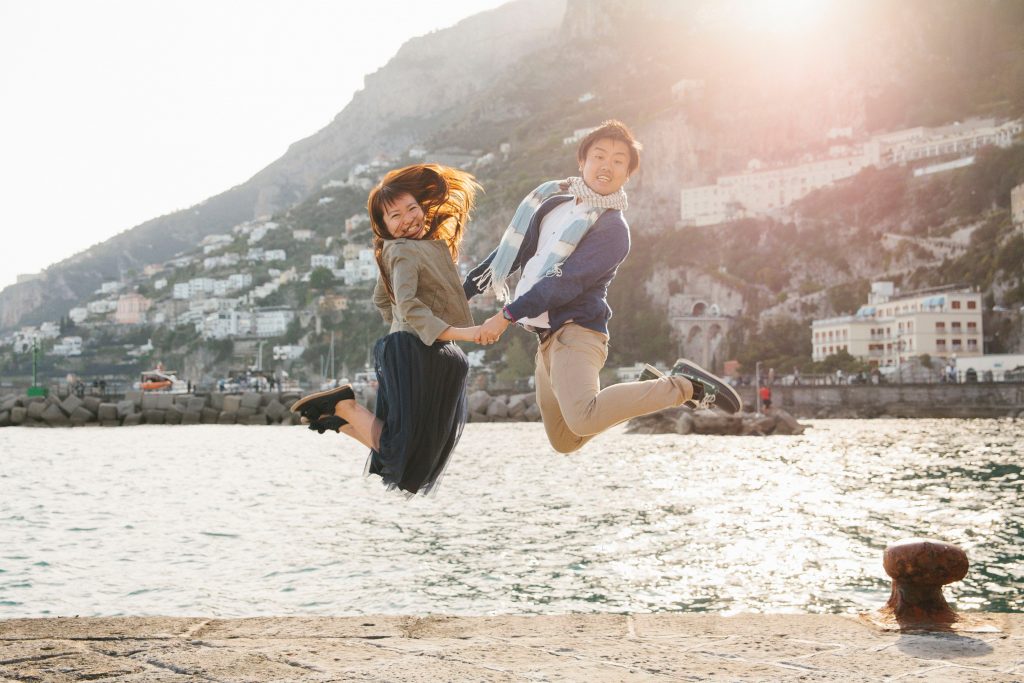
column 606, row 167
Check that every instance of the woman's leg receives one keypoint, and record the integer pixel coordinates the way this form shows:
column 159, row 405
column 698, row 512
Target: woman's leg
column 362, row 424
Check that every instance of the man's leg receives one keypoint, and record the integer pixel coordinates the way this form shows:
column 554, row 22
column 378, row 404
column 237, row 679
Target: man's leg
column 562, row 439
column 575, row 359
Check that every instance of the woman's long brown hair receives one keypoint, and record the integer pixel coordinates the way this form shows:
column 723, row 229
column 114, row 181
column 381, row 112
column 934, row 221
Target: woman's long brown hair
column 445, row 194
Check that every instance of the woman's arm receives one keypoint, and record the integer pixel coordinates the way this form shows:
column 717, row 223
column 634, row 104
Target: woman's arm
column 459, row 334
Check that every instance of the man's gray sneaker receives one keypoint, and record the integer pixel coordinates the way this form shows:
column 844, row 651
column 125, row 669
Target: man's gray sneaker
column 708, row 390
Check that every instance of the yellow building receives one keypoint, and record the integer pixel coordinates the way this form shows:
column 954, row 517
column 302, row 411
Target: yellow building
column 889, row 330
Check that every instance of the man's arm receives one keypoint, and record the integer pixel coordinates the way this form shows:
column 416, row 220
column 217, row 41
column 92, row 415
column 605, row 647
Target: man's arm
column 469, row 284
column 601, row 250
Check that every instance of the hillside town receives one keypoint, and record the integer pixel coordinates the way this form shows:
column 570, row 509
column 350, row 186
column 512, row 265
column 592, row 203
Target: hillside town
column 229, row 288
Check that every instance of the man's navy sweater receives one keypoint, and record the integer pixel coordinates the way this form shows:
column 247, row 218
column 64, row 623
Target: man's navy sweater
column 580, row 293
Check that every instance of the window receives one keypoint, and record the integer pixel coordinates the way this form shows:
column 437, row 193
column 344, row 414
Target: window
column 972, row 344
column 957, row 344
column 956, row 326
column 972, row 327
column 971, row 305
column 956, row 305
column 940, row 328
column 940, row 344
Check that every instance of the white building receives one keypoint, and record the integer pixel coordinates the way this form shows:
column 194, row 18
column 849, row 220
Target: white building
column 578, row 135
column 913, row 144
column 215, row 240
column 329, row 261
column 180, row 291
column 761, row 191
column 160, row 284
column 361, row 269
column 101, row 307
column 275, row 255
column 237, row 281
column 49, row 330
column 110, row 287
column 686, row 88
column 68, row 346
column 302, row 235
column 225, row 324
column 288, row 352
column 889, row 330
column 272, row 322
column 78, row 314
column 201, row 285
column 355, row 221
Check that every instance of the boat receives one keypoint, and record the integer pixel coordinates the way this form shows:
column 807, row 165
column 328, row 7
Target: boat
column 164, row 381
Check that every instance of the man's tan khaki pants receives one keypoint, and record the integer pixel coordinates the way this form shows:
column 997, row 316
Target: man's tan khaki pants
column 572, row 404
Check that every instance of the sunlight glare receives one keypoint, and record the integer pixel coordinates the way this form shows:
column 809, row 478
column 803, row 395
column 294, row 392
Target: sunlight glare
column 779, row 15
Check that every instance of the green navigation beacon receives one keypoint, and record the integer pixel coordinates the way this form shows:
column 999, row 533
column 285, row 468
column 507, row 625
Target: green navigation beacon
column 35, row 389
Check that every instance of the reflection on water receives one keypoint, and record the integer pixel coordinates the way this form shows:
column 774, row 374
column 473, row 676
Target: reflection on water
column 235, row 521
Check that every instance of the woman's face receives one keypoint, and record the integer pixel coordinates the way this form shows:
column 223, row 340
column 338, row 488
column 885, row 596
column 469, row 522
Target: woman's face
column 404, row 218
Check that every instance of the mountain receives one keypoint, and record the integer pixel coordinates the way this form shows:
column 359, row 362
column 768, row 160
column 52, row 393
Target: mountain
column 429, row 78
column 531, row 72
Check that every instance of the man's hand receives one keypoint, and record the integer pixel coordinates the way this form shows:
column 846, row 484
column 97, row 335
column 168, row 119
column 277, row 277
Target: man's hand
column 492, row 329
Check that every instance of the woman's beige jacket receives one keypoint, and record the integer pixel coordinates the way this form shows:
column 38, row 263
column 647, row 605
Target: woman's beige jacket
column 428, row 289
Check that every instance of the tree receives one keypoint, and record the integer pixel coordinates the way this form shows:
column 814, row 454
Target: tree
column 321, row 278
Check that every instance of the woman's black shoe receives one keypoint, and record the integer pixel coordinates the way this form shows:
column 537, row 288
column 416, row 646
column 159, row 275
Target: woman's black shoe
column 328, row 423
column 321, row 404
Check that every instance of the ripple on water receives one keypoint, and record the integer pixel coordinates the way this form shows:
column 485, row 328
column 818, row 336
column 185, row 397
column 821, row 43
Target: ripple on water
column 235, row 521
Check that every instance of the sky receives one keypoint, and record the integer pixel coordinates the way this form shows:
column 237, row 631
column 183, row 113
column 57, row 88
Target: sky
column 113, row 112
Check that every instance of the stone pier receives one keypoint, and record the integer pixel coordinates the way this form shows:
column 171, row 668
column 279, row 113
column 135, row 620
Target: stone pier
column 591, row 648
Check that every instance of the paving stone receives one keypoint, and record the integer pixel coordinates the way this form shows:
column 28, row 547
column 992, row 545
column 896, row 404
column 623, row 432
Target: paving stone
column 232, row 402
column 132, row 420
column 150, row 401
column 195, row 404
column 92, row 403
column 107, row 411
column 82, row 414
column 154, row 417
column 209, row 416
column 227, row 418
column 191, row 418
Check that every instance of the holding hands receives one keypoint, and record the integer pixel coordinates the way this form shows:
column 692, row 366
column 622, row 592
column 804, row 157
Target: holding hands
column 492, row 329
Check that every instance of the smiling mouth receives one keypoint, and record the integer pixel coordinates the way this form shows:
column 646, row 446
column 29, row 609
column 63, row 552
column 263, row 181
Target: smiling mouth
column 604, row 178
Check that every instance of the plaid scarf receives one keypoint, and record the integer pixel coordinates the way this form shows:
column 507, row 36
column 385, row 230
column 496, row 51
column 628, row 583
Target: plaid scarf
column 495, row 278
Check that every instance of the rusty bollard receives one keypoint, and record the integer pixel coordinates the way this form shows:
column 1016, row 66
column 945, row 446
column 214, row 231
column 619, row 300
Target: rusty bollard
column 919, row 568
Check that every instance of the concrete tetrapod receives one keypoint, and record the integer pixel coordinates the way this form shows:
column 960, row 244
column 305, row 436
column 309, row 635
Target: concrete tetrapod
column 919, row 568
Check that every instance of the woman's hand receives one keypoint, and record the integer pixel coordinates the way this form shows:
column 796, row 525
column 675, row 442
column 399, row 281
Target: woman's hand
column 492, row 329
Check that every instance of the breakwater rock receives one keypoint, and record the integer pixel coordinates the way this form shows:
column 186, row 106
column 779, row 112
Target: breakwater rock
column 511, row 408
column 683, row 420
column 149, row 408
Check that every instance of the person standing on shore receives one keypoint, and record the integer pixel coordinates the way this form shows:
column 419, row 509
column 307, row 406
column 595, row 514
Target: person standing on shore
column 418, row 215
column 568, row 238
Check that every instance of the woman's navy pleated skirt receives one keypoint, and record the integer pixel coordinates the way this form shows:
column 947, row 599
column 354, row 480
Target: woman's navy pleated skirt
column 421, row 401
